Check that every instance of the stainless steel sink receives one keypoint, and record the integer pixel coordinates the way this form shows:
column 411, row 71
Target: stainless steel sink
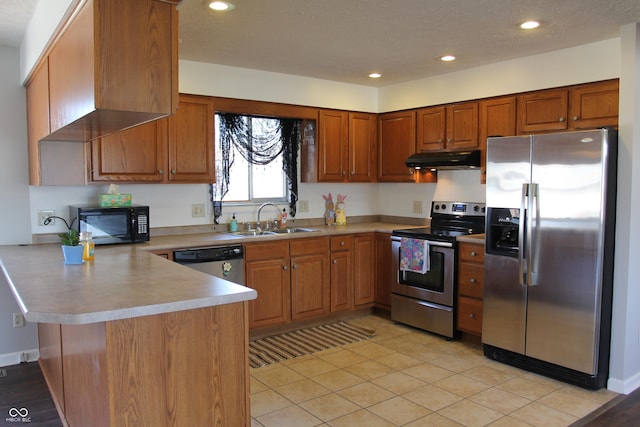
column 257, row 233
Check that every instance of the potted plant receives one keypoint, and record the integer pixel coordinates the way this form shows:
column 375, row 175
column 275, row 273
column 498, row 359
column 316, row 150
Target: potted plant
column 70, row 241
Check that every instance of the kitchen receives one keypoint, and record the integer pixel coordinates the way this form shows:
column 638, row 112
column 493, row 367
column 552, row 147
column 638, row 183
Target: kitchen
column 365, row 199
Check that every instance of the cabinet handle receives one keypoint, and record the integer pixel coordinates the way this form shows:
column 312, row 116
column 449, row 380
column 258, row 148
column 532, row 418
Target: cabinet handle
column 576, row 118
column 160, row 171
column 561, row 119
column 449, row 140
column 284, row 267
column 343, row 173
column 335, row 261
column 294, row 266
column 472, row 316
column 173, row 171
column 472, row 280
column 473, row 253
column 440, row 141
column 342, row 243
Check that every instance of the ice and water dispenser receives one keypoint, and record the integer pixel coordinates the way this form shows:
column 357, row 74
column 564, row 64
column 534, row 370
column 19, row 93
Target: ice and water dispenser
column 502, row 231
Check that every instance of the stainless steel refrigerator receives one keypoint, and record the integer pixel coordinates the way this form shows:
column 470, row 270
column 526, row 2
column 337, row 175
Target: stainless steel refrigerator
column 549, row 253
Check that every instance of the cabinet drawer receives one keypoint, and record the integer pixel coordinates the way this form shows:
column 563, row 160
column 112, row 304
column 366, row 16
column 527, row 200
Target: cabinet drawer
column 470, row 315
column 471, row 280
column 313, row 246
column 341, row 243
column 266, row 251
column 471, row 252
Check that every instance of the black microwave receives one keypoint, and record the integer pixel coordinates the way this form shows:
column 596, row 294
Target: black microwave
column 108, row 225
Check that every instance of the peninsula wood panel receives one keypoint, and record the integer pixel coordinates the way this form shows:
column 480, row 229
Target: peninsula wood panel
column 187, row 367
column 50, row 360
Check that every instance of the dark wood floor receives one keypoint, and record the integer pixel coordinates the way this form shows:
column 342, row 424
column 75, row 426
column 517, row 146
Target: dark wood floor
column 24, row 387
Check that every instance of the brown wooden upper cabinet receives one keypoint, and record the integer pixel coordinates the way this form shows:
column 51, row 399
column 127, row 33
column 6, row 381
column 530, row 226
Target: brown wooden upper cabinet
column 396, row 142
column 347, row 146
column 497, row 117
column 447, row 128
column 585, row 106
column 594, row 105
column 178, row 149
column 113, row 66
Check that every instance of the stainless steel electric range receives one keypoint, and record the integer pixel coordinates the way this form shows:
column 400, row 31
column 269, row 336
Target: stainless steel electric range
column 424, row 264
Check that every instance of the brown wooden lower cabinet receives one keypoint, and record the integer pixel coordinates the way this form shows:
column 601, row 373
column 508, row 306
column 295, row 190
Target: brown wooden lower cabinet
column 182, row 368
column 384, row 275
column 470, row 287
column 365, row 273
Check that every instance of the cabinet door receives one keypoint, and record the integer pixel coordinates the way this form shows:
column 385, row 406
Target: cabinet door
column 431, row 129
column 364, row 279
column 341, row 281
column 542, row 111
column 191, row 145
column 267, row 271
column 384, row 274
column 594, row 105
column 310, row 276
column 37, row 118
column 362, row 147
column 134, row 155
column 497, row 117
column 333, row 135
column 470, row 315
column 462, row 126
column 396, row 142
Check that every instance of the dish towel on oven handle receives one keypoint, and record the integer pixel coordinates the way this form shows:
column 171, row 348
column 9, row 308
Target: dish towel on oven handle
column 414, row 255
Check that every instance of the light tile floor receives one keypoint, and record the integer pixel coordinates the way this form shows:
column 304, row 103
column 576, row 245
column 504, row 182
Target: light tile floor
column 405, row 377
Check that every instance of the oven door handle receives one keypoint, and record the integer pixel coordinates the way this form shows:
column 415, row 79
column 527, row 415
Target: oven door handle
column 431, row 242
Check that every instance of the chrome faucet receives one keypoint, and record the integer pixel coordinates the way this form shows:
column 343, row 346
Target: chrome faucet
column 259, row 224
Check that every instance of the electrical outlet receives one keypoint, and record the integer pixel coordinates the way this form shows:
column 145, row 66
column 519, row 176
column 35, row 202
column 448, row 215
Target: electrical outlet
column 3, row 372
column 197, row 210
column 44, row 214
column 18, row 320
column 303, row 206
column 417, row 207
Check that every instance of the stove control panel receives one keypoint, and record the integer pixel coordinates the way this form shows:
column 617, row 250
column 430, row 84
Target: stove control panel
column 457, row 208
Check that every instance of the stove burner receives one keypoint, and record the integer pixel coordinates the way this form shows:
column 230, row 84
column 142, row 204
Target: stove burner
column 461, row 220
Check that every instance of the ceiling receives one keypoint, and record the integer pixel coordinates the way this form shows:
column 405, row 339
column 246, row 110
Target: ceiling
column 345, row 40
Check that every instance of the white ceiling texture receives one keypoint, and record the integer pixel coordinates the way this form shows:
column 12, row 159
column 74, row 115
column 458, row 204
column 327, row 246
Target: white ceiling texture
column 345, row 40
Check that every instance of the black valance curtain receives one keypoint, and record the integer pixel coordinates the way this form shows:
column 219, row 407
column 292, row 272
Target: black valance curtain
column 276, row 136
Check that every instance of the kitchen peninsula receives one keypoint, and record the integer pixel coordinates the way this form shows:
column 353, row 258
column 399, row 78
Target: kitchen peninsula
column 134, row 339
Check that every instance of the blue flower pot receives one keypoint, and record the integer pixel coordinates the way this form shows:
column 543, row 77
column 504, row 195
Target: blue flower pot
column 73, row 254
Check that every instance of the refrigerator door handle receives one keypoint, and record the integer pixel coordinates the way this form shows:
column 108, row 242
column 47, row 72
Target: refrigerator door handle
column 532, row 228
column 522, row 270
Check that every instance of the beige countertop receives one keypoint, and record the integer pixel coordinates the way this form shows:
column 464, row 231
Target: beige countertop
column 126, row 281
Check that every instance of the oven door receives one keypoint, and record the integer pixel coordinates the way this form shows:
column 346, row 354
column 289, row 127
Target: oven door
column 437, row 284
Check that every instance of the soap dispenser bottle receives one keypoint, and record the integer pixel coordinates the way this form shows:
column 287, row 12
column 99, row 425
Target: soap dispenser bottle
column 233, row 225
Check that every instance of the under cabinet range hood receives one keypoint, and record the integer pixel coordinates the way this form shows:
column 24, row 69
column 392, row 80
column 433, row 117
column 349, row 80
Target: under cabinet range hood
column 445, row 160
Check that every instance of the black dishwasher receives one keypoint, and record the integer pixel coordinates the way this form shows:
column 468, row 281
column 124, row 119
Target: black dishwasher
column 220, row 261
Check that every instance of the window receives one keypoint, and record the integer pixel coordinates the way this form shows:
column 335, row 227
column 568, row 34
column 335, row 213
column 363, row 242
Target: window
column 250, row 179
column 256, row 160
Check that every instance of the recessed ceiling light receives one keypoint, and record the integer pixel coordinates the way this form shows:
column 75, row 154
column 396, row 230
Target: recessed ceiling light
column 375, row 75
column 448, row 58
column 221, row 6
column 529, row 25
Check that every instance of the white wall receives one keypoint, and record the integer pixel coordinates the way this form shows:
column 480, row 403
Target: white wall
column 14, row 193
column 587, row 63
column 625, row 341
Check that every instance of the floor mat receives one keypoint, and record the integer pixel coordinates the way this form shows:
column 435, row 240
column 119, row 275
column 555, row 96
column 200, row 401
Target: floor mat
column 274, row 349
